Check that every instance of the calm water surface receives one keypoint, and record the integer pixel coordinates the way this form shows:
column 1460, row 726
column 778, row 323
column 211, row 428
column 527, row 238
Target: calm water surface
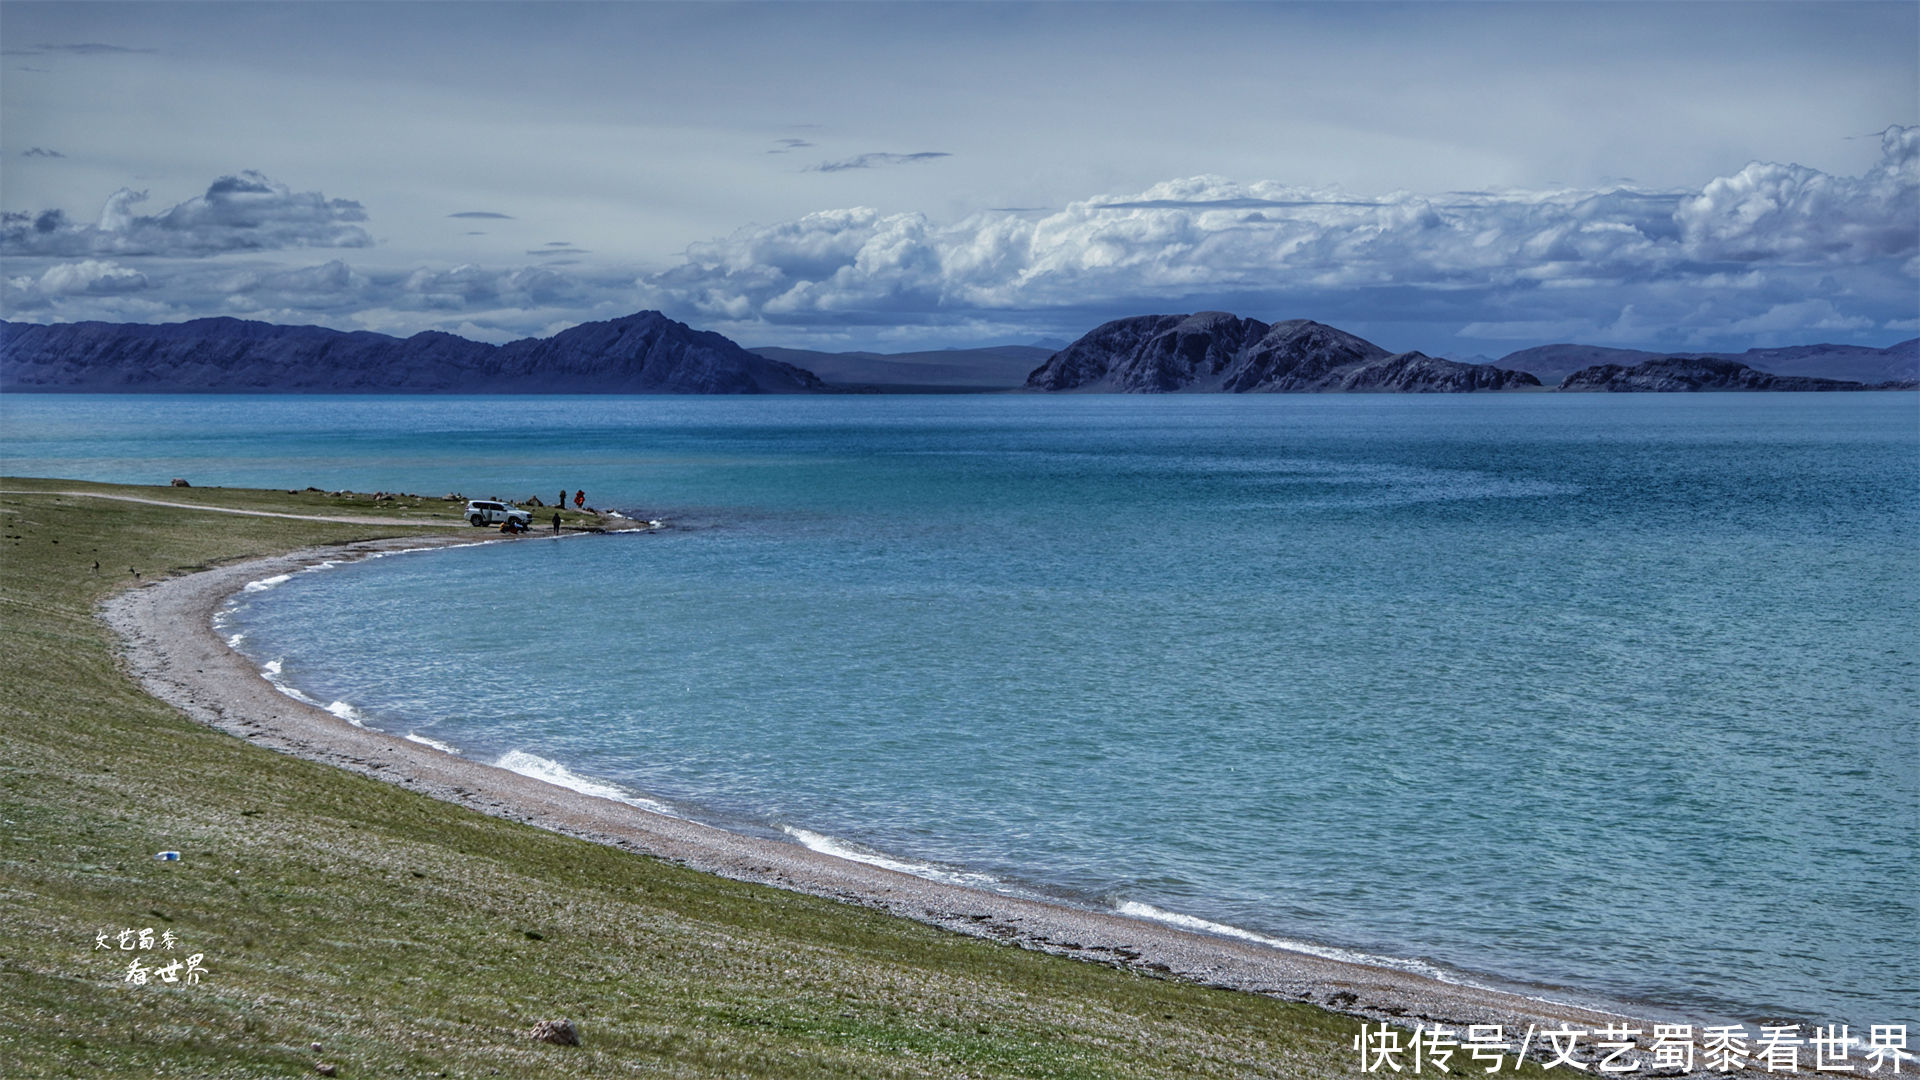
column 1609, row 695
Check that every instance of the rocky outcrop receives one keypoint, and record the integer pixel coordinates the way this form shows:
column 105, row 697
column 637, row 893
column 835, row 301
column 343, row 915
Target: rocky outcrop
column 1853, row 363
column 1215, row 352
column 1418, row 373
column 1152, row 354
column 1673, row 374
column 644, row 353
column 1303, row 356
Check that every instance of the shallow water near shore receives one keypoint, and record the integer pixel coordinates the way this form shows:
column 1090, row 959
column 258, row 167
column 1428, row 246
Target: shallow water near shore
column 1611, row 695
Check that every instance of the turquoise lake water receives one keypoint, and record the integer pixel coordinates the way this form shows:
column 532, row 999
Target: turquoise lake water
column 1603, row 696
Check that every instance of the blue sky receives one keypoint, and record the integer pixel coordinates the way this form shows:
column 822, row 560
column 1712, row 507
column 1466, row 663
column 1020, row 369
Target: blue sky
column 1465, row 179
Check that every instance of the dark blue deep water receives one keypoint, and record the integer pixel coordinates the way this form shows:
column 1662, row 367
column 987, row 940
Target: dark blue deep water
column 1602, row 695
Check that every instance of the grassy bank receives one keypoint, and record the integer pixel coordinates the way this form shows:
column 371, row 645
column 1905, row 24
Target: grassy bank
column 411, row 937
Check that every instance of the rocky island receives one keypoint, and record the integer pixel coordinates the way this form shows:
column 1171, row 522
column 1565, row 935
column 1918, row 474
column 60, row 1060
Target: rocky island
column 1849, row 363
column 1216, row 352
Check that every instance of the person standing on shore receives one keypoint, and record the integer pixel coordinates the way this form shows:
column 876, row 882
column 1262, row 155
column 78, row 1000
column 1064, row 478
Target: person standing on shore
column 562, row 500
column 556, row 523
column 579, row 498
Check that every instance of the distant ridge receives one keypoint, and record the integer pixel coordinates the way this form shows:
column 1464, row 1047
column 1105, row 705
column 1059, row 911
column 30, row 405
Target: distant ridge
column 1216, row 352
column 1679, row 374
column 1857, row 363
column 642, row 353
column 648, row 353
column 998, row 367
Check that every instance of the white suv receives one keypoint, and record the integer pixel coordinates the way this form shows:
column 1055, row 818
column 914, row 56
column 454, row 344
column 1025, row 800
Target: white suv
column 485, row 512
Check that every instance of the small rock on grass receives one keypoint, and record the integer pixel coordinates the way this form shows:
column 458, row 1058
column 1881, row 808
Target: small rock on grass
column 557, row 1032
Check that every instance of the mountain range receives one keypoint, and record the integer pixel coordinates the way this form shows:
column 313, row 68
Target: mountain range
column 648, row 353
column 643, row 353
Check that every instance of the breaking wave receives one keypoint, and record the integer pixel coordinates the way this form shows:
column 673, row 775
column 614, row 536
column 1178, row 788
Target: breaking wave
column 548, row 771
column 842, row 849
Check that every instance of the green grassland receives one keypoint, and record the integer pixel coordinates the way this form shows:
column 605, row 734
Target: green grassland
column 411, row 937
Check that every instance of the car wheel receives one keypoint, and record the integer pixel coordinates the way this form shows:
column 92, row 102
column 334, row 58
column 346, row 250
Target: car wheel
column 477, row 520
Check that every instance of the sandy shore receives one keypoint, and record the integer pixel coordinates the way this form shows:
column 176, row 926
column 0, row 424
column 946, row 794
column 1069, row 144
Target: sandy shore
column 173, row 650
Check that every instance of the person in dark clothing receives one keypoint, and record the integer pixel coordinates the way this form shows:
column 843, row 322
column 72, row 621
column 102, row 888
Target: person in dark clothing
column 556, row 523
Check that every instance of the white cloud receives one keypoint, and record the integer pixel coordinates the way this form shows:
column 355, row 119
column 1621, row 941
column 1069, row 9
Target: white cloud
column 1797, row 214
column 1819, row 314
column 1535, row 330
column 1773, row 253
column 248, row 212
column 88, row 277
column 1524, row 265
column 91, row 276
column 469, row 288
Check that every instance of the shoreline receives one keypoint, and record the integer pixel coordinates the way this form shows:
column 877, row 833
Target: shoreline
column 172, row 650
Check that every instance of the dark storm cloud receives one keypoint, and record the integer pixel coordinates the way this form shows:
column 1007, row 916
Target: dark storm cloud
column 84, row 48
column 1230, row 204
column 874, row 161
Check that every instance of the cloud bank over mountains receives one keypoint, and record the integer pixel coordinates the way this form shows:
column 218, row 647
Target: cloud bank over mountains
column 247, row 212
column 1603, row 262
column 1776, row 253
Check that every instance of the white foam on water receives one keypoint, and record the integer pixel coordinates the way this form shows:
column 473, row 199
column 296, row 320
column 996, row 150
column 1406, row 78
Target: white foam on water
column 434, row 547
column 234, row 640
column 548, row 771
column 1136, row 909
column 267, row 583
column 414, row 736
column 346, row 712
column 270, row 671
column 841, row 849
column 294, row 694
